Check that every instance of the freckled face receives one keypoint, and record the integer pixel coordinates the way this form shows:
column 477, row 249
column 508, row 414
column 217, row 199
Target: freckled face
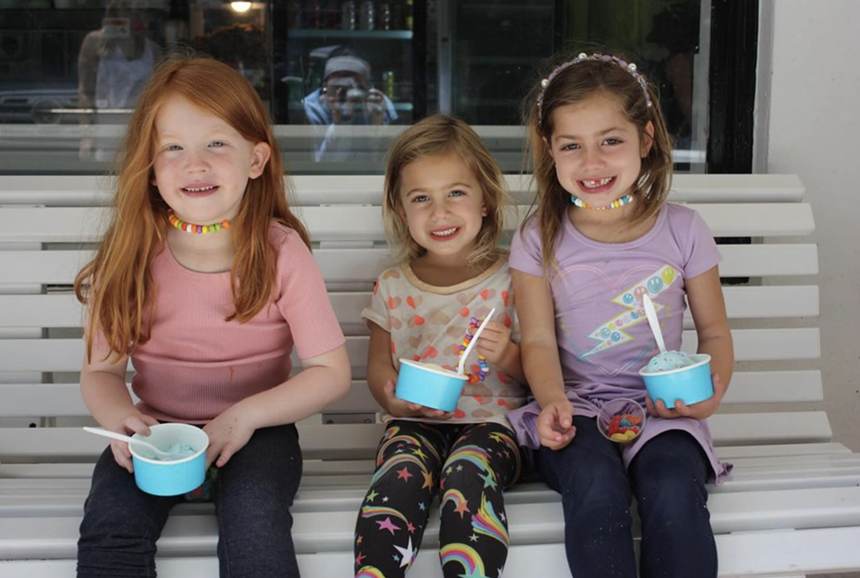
column 202, row 164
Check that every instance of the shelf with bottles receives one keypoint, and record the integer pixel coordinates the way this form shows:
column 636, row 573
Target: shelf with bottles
column 398, row 106
column 336, row 33
column 359, row 16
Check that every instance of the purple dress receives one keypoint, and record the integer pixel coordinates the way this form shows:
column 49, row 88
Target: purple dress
column 601, row 328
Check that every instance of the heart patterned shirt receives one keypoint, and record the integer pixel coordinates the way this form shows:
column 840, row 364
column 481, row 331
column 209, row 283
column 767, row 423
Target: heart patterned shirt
column 428, row 323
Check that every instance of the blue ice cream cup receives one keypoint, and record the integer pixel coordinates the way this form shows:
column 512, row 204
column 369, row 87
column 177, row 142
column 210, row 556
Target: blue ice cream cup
column 171, row 478
column 430, row 386
column 690, row 384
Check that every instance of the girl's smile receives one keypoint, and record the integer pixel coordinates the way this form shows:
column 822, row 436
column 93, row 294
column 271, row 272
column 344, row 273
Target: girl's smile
column 445, row 234
column 200, row 190
column 443, row 204
column 597, row 151
column 202, row 164
column 596, row 186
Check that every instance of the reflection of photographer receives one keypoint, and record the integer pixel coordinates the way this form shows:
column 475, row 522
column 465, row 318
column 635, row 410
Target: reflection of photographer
column 345, row 97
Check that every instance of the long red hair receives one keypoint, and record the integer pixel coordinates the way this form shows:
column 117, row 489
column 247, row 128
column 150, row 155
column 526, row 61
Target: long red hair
column 117, row 285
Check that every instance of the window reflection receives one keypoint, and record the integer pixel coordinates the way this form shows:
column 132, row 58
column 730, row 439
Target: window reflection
column 341, row 78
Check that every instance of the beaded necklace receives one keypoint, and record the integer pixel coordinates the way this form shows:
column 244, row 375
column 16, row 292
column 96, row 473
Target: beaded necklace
column 196, row 229
column 617, row 203
column 483, row 366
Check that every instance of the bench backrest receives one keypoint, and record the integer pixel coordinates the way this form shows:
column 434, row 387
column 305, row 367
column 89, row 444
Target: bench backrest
column 48, row 226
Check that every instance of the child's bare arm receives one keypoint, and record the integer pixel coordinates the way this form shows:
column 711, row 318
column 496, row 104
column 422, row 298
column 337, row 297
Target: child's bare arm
column 541, row 364
column 106, row 395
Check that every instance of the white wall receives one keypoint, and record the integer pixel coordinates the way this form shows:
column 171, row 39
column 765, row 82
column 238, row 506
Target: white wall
column 812, row 128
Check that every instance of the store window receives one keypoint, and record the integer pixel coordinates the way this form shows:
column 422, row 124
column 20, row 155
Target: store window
column 342, row 78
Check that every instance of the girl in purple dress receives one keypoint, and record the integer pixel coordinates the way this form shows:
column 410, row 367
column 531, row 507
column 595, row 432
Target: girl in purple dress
column 603, row 236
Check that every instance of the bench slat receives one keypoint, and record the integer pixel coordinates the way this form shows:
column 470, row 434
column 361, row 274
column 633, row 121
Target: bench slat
column 328, row 531
column 356, row 441
column 729, row 453
column 773, row 553
column 18, row 355
column 64, row 399
column 63, row 310
column 364, row 223
column 363, row 265
column 322, row 486
column 81, row 190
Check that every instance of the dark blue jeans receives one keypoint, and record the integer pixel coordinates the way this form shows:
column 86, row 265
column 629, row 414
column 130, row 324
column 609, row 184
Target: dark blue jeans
column 667, row 477
column 253, row 496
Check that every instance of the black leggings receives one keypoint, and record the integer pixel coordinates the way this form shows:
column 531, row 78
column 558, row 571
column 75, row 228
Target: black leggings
column 471, row 464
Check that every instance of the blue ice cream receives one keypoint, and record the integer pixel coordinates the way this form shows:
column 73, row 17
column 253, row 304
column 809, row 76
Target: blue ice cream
column 669, row 360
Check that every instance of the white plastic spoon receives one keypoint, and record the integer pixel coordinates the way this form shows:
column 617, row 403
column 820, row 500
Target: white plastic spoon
column 651, row 313
column 461, row 369
column 124, row 438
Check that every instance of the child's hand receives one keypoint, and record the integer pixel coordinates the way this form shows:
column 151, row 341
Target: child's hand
column 701, row 410
column 493, row 342
column 400, row 408
column 135, row 422
column 228, row 433
column 555, row 424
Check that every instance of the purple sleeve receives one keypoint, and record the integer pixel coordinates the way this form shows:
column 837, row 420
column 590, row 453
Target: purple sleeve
column 526, row 250
column 702, row 253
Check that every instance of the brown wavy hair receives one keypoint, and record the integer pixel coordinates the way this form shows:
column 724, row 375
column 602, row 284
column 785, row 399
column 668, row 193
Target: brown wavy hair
column 117, row 285
column 575, row 84
column 439, row 135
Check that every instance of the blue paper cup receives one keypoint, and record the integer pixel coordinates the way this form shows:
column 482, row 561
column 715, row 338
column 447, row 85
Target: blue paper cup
column 690, row 384
column 170, row 478
column 428, row 386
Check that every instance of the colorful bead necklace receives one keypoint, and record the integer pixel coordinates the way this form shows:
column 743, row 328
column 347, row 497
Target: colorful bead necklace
column 483, row 366
column 196, row 229
column 613, row 205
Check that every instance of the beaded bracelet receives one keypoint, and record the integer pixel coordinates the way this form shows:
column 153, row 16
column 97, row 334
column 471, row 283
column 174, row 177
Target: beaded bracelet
column 483, row 366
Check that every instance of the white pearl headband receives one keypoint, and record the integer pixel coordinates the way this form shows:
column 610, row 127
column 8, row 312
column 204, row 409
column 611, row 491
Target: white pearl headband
column 628, row 66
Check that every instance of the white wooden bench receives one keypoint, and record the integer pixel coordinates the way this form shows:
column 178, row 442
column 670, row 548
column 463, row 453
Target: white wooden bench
column 791, row 506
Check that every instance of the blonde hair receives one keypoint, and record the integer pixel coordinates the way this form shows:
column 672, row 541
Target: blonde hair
column 575, row 84
column 117, row 285
column 439, row 135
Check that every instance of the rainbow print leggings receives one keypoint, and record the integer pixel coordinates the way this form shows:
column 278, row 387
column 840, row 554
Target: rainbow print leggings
column 470, row 465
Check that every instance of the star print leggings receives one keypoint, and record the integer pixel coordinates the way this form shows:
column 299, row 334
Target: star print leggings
column 469, row 465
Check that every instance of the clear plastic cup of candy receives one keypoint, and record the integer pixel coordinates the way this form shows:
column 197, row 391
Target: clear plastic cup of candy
column 621, row 420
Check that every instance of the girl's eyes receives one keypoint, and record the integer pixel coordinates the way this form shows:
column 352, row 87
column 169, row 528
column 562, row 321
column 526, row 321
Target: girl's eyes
column 425, row 198
column 609, row 141
column 214, row 144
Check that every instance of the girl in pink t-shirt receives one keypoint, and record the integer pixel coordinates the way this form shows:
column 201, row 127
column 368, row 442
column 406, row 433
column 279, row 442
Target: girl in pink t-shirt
column 603, row 237
column 209, row 314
